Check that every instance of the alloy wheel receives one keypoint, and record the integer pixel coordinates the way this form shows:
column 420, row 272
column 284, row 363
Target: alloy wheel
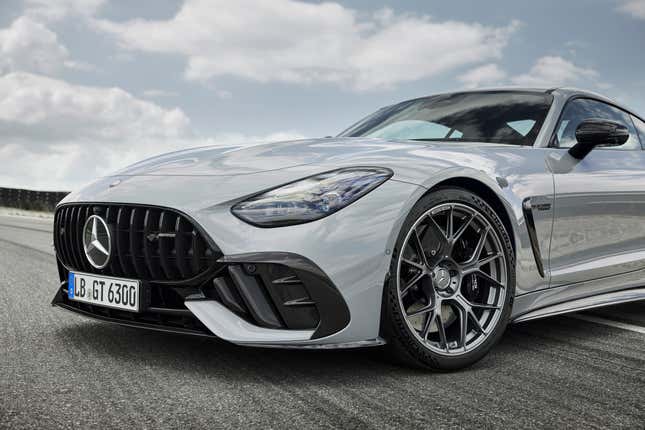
column 452, row 278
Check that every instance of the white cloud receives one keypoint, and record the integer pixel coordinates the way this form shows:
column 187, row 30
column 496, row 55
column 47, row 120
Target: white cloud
column 224, row 94
column 80, row 65
column 635, row 8
column 59, row 135
column 154, row 93
column 297, row 42
column 547, row 71
column 488, row 74
column 30, row 46
column 51, row 108
column 553, row 71
column 53, row 10
column 56, row 135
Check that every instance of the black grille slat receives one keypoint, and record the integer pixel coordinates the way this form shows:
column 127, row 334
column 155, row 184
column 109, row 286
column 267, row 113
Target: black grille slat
column 73, row 231
column 86, row 264
column 181, row 248
column 77, row 245
column 77, row 253
column 110, row 266
column 136, row 220
column 110, row 218
column 148, row 243
column 57, row 236
column 68, row 236
column 123, row 239
column 196, row 252
column 166, row 244
column 60, row 248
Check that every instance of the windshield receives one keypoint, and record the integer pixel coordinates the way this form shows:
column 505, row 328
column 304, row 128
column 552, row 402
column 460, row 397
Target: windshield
column 498, row 117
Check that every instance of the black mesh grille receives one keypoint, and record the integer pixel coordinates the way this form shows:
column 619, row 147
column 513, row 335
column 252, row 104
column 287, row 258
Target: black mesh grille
column 148, row 243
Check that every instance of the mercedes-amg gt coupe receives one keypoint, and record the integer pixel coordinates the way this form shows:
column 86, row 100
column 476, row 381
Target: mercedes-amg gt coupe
column 427, row 227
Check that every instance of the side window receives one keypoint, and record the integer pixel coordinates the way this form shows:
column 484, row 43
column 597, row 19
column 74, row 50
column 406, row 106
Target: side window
column 640, row 126
column 579, row 110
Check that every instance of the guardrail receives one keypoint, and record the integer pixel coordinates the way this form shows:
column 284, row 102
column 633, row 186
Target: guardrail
column 30, row 200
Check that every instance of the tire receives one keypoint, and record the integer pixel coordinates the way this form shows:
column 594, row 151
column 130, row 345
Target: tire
column 449, row 286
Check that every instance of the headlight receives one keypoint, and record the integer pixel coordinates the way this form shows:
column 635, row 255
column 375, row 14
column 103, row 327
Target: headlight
column 311, row 198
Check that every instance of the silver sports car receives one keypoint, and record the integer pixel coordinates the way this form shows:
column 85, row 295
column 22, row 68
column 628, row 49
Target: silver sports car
column 428, row 226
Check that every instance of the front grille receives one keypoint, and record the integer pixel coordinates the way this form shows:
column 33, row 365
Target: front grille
column 148, row 243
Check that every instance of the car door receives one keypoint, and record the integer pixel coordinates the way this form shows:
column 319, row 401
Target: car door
column 599, row 221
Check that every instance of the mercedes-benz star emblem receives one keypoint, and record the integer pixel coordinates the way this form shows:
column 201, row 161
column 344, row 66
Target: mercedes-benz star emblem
column 442, row 278
column 97, row 241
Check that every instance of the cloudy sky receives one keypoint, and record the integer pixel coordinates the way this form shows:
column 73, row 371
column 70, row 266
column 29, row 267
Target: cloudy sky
column 88, row 86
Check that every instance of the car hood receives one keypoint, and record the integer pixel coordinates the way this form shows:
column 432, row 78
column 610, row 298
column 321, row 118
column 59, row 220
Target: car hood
column 207, row 176
column 243, row 160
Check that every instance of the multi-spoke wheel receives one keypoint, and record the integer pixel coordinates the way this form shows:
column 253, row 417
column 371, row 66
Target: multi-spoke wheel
column 451, row 280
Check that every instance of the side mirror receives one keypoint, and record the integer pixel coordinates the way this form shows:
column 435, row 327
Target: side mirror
column 597, row 132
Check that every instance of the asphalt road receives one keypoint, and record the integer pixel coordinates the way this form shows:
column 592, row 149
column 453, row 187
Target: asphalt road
column 59, row 370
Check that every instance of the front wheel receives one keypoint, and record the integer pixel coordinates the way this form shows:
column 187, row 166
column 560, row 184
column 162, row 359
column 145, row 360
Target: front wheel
column 452, row 279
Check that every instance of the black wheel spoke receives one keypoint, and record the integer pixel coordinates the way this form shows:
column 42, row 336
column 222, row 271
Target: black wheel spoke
column 420, row 311
column 480, row 246
column 426, row 326
column 463, row 327
column 475, row 267
column 476, row 322
column 413, row 263
column 442, row 331
column 484, row 306
column 462, row 228
column 450, row 226
column 418, row 247
column 442, row 240
column 488, row 259
column 438, row 232
column 489, row 279
column 411, row 283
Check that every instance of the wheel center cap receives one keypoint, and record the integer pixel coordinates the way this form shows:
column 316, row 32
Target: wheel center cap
column 441, row 277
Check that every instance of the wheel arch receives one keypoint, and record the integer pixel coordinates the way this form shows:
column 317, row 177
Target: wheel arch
column 487, row 194
column 502, row 207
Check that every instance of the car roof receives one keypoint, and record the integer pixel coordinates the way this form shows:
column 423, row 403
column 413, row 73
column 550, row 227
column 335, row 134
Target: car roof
column 563, row 92
column 568, row 92
column 509, row 89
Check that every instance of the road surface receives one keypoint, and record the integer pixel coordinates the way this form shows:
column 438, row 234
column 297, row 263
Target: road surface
column 60, row 370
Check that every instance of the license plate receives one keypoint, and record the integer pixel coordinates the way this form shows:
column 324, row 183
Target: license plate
column 104, row 291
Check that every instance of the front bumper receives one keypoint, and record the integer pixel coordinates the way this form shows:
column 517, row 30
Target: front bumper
column 247, row 298
column 341, row 261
